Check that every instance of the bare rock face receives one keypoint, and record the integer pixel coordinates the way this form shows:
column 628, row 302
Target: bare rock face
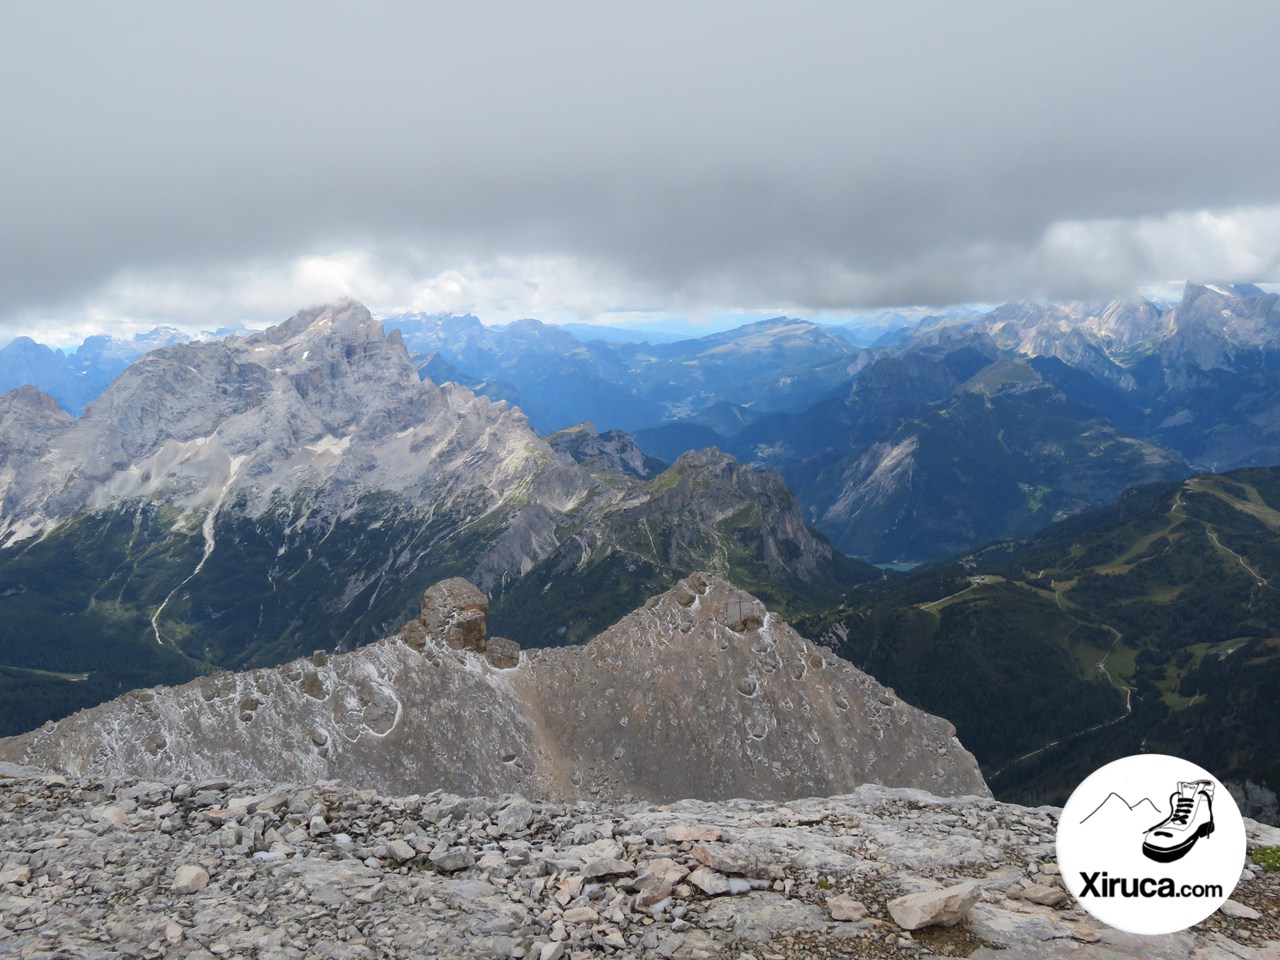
column 29, row 422
column 610, row 452
column 705, row 693
column 501, row 652
column 315, row 413
column 701, row 693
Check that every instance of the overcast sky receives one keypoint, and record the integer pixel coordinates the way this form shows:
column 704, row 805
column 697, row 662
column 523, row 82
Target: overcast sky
column 209, row 163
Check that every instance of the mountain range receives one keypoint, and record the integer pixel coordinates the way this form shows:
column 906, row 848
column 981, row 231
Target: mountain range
column 946, row 445
column 779, row 364
column 240, row 502
column 74, row 378
column 1056, row 407
column 243, row 501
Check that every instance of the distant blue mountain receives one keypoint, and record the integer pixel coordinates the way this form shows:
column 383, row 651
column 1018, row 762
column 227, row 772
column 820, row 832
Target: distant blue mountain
column 75, row 378
column 773, row 365
column 594, row 331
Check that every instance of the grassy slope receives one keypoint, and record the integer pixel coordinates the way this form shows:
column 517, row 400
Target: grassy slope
column 1171, row 593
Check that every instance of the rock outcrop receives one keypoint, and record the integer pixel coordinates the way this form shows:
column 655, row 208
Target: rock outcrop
column 702, row 692
column 189, row 869
column 613, row 452
column 455, row 611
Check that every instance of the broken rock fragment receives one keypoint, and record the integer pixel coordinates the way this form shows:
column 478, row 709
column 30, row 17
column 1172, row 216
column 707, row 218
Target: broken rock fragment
column 846, row 909
column 190, row 878
column 935, row 908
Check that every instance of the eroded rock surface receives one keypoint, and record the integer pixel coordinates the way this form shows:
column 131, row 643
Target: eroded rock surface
column 702, row 692
column 199, row 869
column 705, row 693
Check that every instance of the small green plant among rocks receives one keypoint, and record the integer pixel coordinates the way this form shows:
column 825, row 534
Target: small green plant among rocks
column 1267, row 857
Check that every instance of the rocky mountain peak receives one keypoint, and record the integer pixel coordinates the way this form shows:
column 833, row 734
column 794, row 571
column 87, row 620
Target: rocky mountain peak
column 431, row 331
column 1005, row 375
column 707, row 488
column 30, row 420
column 693, row 468
column 29, row 399
column 324, row 404
column 344, row 317
column 708, row 458
column 701, row 692
column 613, row 451
column 1095, row 336
column 27, row 347
column 776, row 334
column 1222, row 290
column 1211, row 323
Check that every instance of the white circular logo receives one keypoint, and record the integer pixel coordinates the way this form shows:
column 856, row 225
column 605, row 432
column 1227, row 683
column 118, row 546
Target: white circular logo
column 1151, row 844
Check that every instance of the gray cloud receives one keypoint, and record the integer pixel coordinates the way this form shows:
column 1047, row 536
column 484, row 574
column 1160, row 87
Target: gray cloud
column 821, row 155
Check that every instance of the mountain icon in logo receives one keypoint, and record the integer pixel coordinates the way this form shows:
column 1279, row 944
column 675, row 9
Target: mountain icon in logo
column 1116, row 811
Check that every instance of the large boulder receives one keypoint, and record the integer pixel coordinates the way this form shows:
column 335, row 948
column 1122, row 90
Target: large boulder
column 454, row 611
column 935, row 908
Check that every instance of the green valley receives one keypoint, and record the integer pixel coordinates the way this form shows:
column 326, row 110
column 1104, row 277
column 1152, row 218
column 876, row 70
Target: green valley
column 1153, row 625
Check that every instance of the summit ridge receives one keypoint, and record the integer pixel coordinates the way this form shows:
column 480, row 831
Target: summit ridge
column 700, row 692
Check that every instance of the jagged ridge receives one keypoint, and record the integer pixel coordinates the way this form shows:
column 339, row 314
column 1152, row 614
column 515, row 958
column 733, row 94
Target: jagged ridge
column 702, row 692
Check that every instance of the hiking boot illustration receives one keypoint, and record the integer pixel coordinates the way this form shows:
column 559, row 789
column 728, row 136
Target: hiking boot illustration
column 1190, row 818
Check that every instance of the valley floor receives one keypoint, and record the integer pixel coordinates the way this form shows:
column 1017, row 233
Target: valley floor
column 120, row 868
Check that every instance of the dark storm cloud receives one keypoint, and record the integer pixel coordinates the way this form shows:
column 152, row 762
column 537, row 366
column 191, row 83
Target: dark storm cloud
column 826, row 155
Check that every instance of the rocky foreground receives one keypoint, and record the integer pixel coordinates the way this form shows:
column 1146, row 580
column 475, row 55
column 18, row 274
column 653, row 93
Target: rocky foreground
column 127, row 868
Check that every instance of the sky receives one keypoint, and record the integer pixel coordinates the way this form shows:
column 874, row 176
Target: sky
column 211, row 164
